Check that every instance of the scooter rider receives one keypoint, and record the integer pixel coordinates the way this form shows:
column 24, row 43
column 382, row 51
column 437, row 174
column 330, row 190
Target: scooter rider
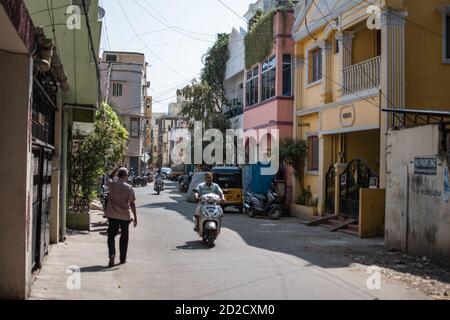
column 205, row 188
column 159, row 178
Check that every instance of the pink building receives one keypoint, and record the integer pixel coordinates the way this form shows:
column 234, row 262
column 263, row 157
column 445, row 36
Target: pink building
column 268, row 85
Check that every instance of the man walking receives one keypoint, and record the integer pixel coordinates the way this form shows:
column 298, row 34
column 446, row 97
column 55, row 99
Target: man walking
column 120, row 199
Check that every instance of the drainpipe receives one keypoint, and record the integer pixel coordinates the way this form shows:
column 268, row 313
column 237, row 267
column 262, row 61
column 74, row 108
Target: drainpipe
column 64, row 174
column 407, row 210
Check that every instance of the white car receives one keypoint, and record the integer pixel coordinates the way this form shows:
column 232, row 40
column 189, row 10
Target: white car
column 166, row 171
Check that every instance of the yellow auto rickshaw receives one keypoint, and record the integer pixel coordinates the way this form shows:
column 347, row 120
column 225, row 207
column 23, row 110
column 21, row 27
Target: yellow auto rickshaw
column 230, row 181
column 177, row 171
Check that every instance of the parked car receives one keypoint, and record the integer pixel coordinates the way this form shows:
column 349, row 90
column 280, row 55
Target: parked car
column 166, row 172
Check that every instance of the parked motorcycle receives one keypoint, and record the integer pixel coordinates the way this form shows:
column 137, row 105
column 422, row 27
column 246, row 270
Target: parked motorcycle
column 138, row 181
column 184, row 184
column 210, row 221
column 159, row 186
column 269, row 206
column 104, row 197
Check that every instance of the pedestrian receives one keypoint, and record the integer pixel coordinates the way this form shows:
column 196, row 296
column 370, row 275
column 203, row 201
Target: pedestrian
column 121, row 199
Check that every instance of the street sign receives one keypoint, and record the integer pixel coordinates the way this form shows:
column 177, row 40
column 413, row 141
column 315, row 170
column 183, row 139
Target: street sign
column 145, row 158
column 426, row 166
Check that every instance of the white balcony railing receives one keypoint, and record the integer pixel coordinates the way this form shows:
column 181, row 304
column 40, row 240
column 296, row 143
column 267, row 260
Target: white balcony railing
column 362, row 76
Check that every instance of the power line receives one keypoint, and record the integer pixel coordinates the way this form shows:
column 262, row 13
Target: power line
column 411, row 23
column 143, row 34
column 140, row 39
column 168, row 25
column 44, row 10
column 345, row 46
column 106, row 29
column 91, row 41
column 230, row 9
column 193, row 32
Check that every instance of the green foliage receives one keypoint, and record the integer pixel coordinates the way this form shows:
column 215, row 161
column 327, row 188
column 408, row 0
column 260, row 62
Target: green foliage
column 305, row 198
column 207, row 96
column 259, row 41
column 215, row 67
column 293, row 153
column 98, row 152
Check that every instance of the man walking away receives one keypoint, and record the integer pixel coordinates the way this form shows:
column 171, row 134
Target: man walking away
column 121, row 199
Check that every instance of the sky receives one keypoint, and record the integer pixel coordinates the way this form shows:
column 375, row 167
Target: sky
column 173, row 35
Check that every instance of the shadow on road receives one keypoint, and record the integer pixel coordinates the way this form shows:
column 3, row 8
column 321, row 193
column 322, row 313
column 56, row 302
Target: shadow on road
column 97, row 269
column 315, row 245
column 193, row 245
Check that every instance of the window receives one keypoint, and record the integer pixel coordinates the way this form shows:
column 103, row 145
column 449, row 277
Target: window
column 336, row 45
column 268, row 77
column 117, row 89
column 252, row 86
column 111, row 58
column 313, row 153
column 134, row 128
column 287, row 75
column 316, row 58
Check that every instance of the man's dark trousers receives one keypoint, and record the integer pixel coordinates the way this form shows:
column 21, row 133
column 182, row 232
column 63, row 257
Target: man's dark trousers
column 113, row 230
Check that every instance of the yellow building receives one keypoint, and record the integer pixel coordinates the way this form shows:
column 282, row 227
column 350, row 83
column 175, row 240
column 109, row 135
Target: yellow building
column 353, row 61
column 148, row 128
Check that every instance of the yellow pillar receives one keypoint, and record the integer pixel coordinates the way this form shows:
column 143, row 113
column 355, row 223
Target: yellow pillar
column 392, row 75
column 327, row 54
column 298, row 96
column 325, row 161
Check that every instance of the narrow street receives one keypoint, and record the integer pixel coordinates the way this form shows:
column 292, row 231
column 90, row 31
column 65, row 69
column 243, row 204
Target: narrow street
column 253, row 259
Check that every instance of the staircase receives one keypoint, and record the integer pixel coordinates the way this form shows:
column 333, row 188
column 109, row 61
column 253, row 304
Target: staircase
column 336, row 223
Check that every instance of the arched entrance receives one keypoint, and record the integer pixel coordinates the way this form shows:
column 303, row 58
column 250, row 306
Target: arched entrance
column 357, row 175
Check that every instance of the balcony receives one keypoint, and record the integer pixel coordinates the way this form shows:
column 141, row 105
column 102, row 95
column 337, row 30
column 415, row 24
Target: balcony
column 362, row 76
column 234, row 112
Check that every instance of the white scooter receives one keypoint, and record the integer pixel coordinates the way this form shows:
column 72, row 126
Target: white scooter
column 210, row 221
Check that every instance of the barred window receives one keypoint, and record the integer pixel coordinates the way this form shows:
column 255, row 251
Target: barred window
column 117, row 89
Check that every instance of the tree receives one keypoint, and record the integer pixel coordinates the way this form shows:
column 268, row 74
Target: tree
column 293, row 153
column 207, row 95
column 98, row 152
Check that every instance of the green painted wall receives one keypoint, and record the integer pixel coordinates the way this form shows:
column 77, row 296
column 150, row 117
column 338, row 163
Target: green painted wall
column 73, row 46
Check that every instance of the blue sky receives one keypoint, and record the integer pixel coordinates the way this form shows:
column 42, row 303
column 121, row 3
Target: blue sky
column 179, row 32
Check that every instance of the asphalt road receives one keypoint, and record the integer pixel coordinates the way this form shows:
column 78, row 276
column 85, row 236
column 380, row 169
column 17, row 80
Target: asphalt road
column 252, row 259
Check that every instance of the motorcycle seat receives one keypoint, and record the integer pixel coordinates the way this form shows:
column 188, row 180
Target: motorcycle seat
column 259, row 196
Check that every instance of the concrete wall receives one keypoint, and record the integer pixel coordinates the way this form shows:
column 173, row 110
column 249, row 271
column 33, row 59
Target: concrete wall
column 15, row 172
column 236, row 48
column 417, row 214
column 130, row 72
